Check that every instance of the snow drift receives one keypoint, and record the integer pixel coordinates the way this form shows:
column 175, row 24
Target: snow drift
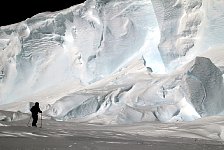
column 117, row 61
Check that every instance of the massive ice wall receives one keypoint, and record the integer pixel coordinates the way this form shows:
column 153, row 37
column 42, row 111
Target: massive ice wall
column 83, row 43
column 103, row 41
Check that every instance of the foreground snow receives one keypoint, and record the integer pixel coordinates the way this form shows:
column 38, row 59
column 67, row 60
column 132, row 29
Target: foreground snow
column 105, row 62
column 204, row 134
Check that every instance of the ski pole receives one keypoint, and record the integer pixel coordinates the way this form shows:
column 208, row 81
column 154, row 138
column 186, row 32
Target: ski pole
column 41, row 121
column 29, row 121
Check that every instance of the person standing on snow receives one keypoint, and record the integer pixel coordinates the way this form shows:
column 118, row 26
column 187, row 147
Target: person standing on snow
column 35, row 110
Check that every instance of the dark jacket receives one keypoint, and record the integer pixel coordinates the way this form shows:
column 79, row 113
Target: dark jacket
column 35, row 109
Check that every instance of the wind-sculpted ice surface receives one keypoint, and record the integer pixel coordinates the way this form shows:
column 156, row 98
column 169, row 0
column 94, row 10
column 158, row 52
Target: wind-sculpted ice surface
column 204, row 87
column 194, row 92
column 188, row 28
column 83, row 43
column 212, row 32
column 179, row 22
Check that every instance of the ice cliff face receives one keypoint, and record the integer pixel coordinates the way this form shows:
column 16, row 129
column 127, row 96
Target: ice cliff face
column 188, row 28
column 114, row 50
column 83, row 43
column 179, row 22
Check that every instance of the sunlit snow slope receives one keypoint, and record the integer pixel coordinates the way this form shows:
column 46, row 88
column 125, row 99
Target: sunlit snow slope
column 117, row 61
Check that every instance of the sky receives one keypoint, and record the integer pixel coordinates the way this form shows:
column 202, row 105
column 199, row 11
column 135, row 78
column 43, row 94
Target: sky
column 14, row 11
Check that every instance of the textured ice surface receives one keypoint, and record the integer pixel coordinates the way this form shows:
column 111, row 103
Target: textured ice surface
column 204, row 87
column 117, row 61
column 83, row 43
column 195, row 91
column 179, row 22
